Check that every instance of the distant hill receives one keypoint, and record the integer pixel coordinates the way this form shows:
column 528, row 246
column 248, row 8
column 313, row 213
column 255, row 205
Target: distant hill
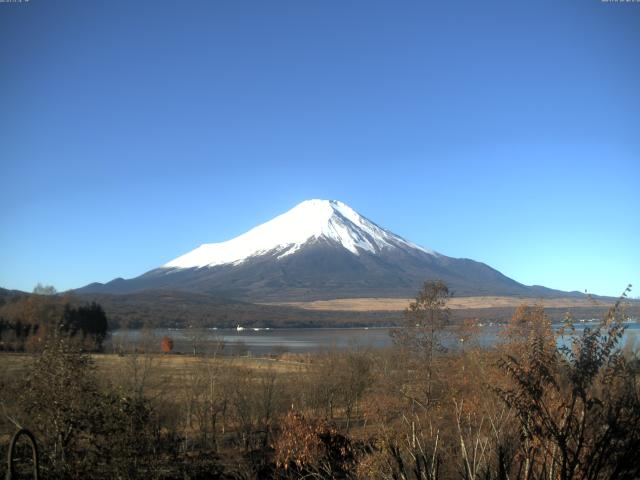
column 5, row 294
column 179, row 309
column 183, row 309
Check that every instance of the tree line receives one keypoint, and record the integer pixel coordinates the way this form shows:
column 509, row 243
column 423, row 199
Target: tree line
column 26, row 321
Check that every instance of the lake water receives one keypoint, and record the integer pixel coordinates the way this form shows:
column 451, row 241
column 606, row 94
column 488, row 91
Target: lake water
column 300, row 340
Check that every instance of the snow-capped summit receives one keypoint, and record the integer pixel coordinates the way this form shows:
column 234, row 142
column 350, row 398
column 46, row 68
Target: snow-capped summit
column 309, row 221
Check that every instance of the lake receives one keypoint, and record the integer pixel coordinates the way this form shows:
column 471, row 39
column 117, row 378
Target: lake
column 301, row 340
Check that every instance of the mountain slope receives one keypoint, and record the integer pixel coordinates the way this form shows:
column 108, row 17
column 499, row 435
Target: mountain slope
column 320, row 249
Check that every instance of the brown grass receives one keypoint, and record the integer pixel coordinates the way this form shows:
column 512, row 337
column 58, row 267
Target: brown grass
column 15, row 364
column 461, row 303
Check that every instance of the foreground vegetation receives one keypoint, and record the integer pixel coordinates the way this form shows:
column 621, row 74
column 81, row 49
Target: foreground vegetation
column 526, row 410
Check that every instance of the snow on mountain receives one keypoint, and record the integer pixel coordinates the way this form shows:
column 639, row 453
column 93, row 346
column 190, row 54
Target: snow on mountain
column 308, row 221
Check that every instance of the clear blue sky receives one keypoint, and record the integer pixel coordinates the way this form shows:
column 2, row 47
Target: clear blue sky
column 507, row 132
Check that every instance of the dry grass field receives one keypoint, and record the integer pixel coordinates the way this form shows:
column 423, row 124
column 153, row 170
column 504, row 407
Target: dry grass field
column 164, row 373
column 461, row 303
column 177, row 364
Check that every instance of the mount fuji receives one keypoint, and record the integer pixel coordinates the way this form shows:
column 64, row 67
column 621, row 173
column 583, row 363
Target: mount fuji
column 320, row 249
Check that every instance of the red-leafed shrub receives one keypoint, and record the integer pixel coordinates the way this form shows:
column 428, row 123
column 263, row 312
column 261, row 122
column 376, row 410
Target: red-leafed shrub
column 166, row 345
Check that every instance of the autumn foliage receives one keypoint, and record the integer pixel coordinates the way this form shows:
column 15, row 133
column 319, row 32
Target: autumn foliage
column 312, row 447
column 166, row 344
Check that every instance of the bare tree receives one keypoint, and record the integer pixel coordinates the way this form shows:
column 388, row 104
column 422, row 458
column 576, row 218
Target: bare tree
column 421, row 333
column 40, row 289
column 141, row 366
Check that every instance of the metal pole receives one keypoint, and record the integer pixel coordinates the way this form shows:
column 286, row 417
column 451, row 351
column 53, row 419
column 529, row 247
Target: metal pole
column 11, row 473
